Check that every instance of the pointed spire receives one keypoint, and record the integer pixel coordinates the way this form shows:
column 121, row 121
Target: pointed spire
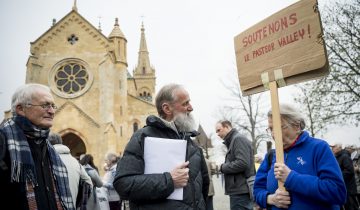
column 143, row 46
column 116, row 32
column 143, row 73
column 75, row 7
column 143, row 66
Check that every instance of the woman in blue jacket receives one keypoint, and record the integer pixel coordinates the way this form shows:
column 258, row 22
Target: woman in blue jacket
column 310, row 172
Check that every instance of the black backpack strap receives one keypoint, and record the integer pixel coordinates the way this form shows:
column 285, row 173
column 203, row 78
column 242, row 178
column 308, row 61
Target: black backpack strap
column 270, row 156
column 3, row 165
column 87, row 169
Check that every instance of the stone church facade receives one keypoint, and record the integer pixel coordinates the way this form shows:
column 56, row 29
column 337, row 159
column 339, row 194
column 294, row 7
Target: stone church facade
column 100, row 104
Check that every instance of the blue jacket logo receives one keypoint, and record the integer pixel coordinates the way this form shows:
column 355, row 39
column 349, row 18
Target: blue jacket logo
column 300, row 161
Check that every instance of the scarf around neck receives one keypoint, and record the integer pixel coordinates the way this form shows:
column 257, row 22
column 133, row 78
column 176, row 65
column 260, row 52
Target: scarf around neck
column 17, row 131
column 170, row 124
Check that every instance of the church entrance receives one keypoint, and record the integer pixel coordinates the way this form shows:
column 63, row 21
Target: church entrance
column 75, row 144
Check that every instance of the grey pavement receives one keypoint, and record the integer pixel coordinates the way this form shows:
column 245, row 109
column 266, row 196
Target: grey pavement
column 220, row 200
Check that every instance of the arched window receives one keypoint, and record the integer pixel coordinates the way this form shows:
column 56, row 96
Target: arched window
column 135, row 127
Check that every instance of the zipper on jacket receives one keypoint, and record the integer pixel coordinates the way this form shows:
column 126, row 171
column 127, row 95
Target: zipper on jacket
column 192, row 185
column 193, row 194
column 286, row 157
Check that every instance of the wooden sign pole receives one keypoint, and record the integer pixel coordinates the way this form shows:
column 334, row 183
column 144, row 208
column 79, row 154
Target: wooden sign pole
column 277, row 126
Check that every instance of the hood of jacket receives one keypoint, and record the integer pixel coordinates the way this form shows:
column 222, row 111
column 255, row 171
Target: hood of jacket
column 62, row 149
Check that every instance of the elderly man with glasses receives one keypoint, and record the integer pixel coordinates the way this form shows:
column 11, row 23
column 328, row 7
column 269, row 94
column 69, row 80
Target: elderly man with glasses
column 32, row 173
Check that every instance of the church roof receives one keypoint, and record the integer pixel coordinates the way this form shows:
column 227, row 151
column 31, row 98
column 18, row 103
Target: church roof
column 72, row 16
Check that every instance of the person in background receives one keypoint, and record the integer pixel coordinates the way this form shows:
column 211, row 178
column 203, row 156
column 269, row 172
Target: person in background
column 355, row 157
column 211, row 193
column 75, row 170
column 258, row 160
column 311, row 176
column 352, row 149
column 111, row 160
column 150, row 191
column 87, row 161
column 346, row 166
column 238, row 165
column 32, row 175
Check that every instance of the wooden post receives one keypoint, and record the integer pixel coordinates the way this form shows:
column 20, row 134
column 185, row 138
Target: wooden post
column 277, row 126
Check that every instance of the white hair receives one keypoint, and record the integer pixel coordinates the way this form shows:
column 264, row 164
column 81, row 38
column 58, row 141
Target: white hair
column 25, row 93
column 111, row 157
column 291, row 115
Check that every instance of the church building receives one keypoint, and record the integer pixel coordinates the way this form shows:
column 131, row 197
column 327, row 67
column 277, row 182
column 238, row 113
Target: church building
column 100, row 104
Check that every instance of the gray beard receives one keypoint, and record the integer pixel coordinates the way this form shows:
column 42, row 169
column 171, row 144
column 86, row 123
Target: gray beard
column 185, row 122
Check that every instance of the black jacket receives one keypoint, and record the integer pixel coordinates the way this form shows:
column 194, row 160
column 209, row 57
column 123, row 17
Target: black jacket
column 347, row 170
column 239, row 163
column 151, row 190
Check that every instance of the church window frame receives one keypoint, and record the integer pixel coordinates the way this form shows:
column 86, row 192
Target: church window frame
column 72, row 39
column 70, row 78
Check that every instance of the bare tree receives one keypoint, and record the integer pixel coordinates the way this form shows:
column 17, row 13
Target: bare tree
column 335, row 99
column 312, row 107
column 245, row 113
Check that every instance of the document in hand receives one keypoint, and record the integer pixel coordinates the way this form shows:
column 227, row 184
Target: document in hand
column 163, row 155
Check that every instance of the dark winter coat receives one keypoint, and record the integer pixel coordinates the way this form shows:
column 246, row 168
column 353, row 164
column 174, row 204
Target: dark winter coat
column 347, row 170
column 239, row 163
column 149, row 191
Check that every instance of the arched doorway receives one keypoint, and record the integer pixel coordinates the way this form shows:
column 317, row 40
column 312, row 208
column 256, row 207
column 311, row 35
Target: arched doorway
column 75, row 144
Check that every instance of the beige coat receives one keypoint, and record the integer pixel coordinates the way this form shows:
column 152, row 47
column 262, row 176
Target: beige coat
column 211, row 172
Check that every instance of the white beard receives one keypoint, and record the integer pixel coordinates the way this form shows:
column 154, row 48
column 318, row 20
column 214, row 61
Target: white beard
column 184, row 122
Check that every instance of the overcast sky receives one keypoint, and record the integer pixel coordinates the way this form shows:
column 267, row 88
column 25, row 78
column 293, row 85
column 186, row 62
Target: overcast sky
column 190, row 41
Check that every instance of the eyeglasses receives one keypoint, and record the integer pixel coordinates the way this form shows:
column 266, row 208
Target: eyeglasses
column 44, row 106
column 270, row 130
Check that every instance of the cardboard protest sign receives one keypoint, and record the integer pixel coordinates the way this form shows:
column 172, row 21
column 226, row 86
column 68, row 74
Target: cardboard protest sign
column 290, row 41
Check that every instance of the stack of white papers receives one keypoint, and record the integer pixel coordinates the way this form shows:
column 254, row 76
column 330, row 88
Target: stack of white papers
column 163, row 155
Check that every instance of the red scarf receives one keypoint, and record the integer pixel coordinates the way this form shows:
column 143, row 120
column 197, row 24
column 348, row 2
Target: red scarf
column 293, row 144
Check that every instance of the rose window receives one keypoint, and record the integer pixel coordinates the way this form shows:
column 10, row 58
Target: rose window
column 71, row 78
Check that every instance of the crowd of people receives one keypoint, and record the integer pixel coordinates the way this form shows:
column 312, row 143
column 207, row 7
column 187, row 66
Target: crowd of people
column 38, row 171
